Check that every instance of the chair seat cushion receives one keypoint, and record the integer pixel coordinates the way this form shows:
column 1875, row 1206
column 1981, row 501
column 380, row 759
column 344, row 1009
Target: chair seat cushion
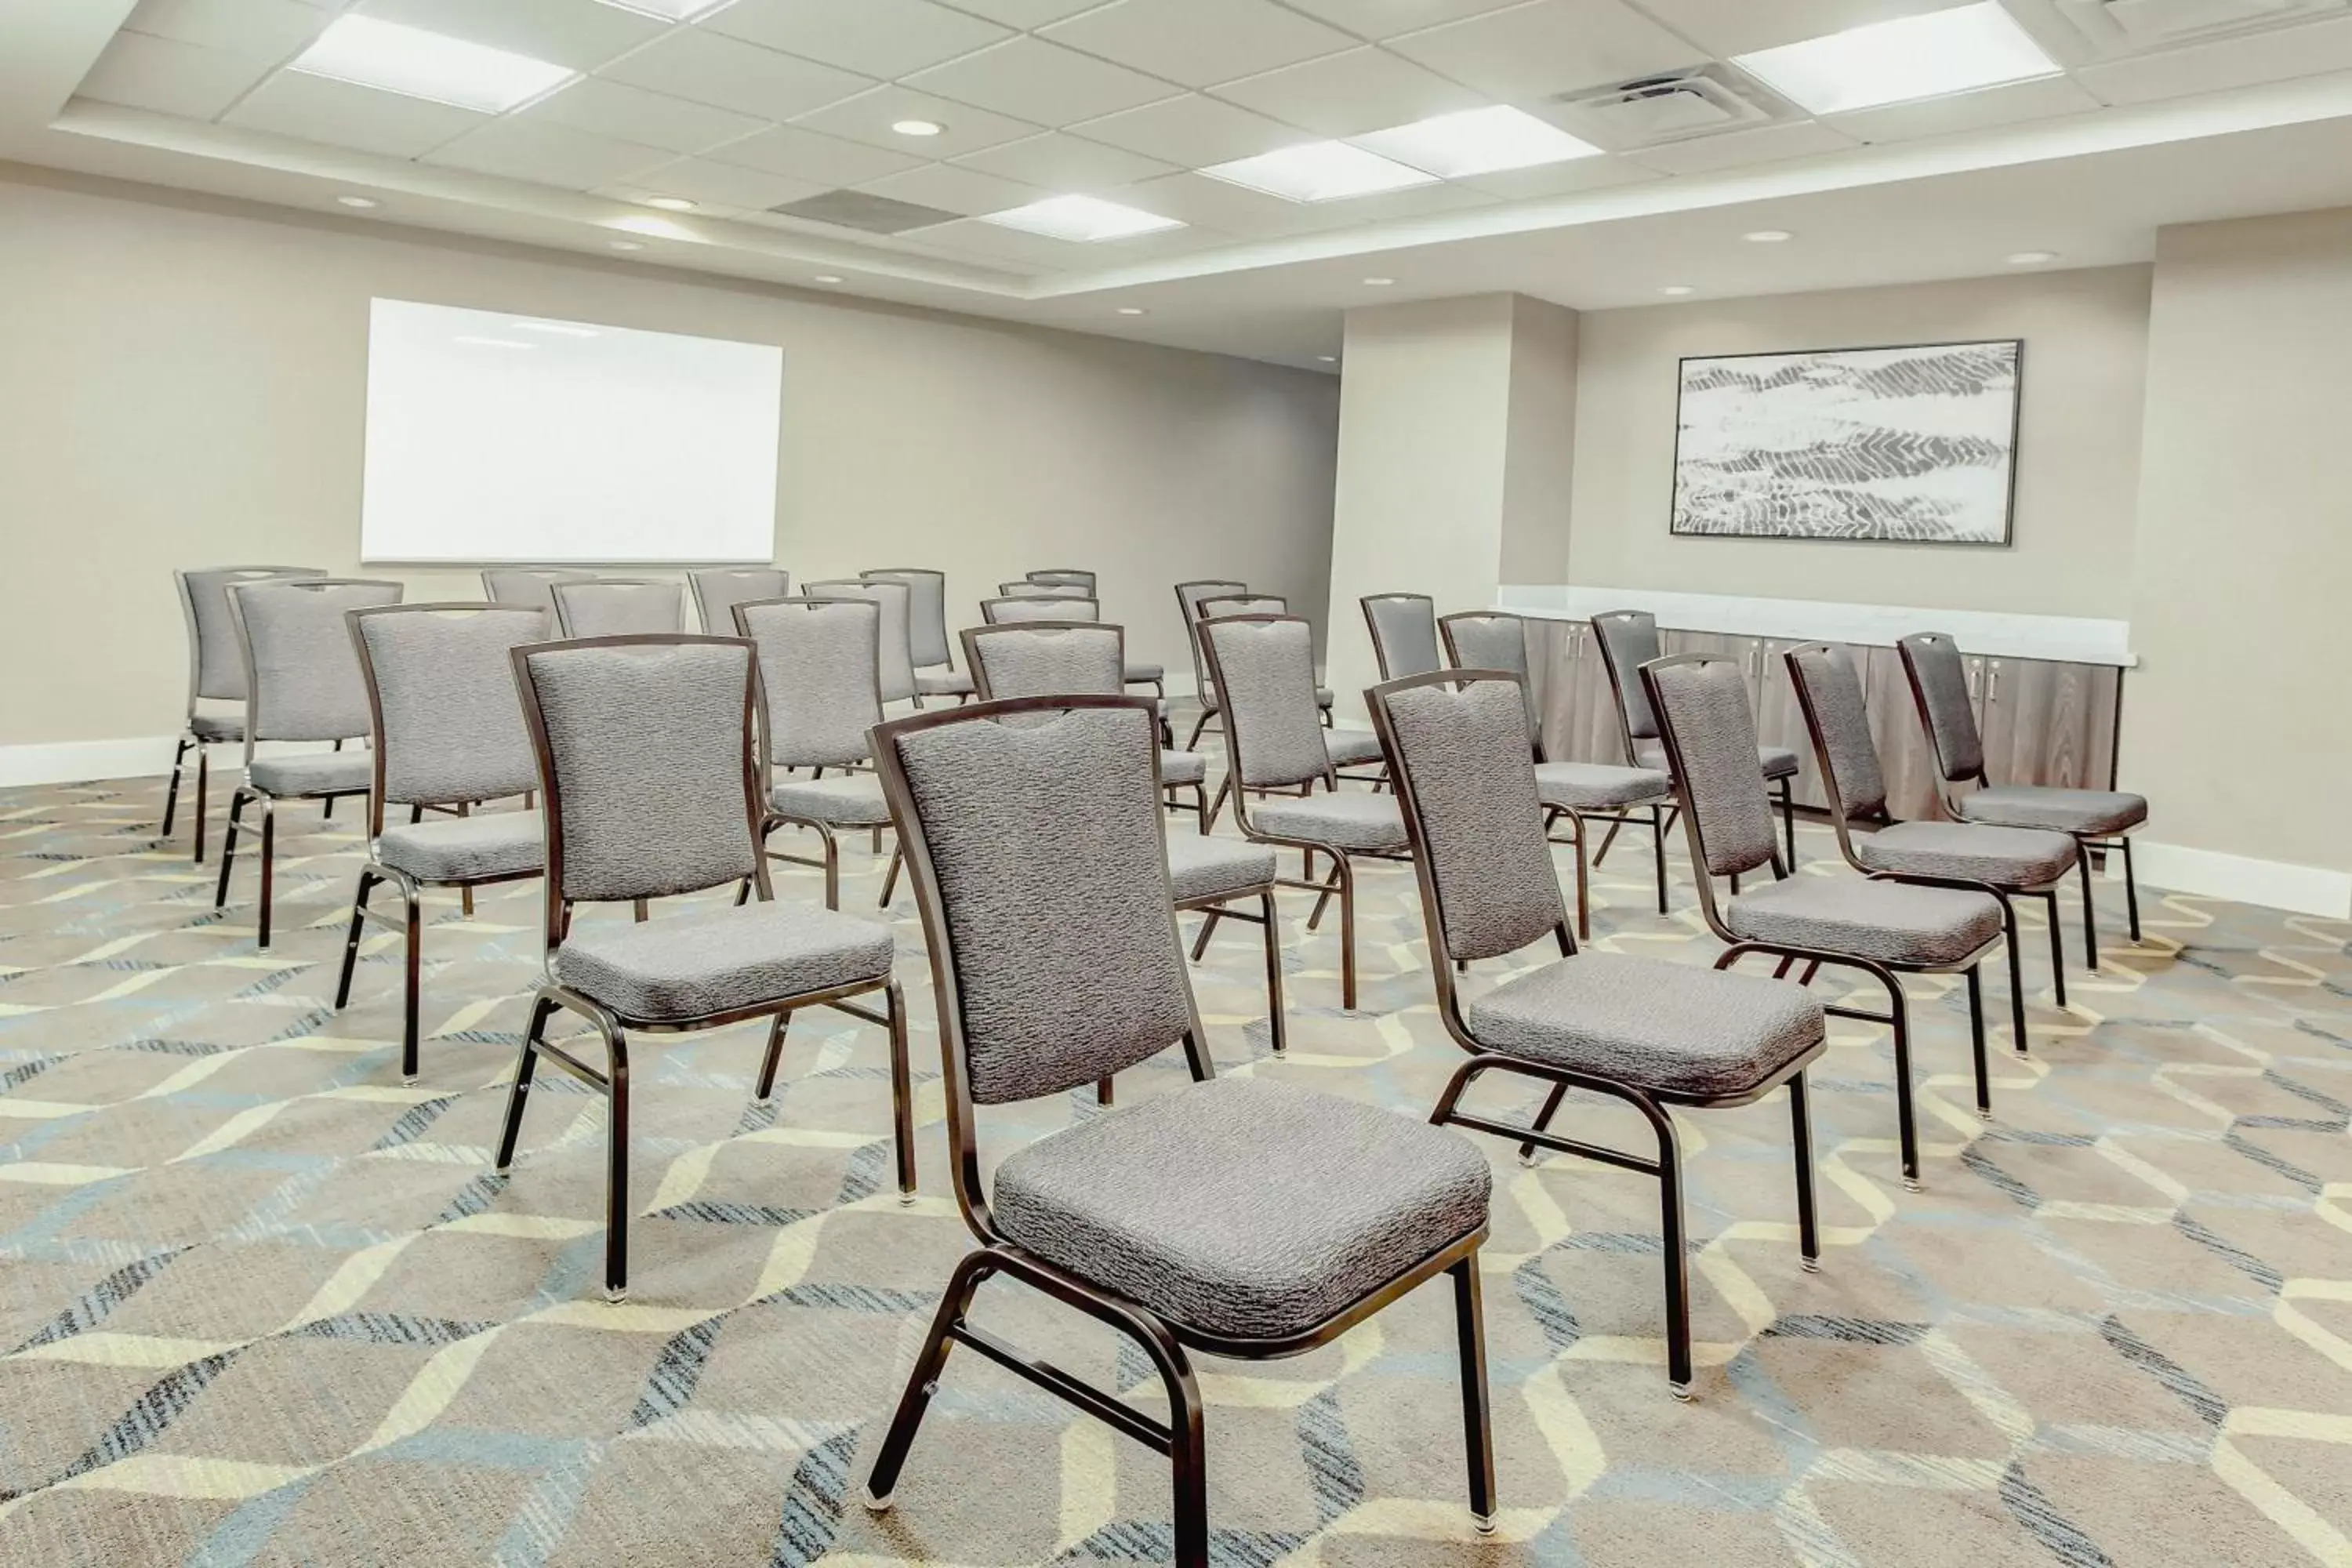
column 1775, row 762
column 312, row 774
column 1584, row 786
column 2065, row 810
column 944, row 683
column 692, row 966
column 211, row 727
column 1240, row 1207
column 1350, row 747
column 1204, row 867
column 1184, row 768
column 843, row 800
column 1891, row 921
column 1670, row 1028
column 465, row 849
column 1141, row 670
column 1354, row 819
column 1975, row 852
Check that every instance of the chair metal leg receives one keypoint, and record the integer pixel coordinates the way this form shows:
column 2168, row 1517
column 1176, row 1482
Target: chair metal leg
column 1201, row 806
column 1800, row 1130
column 923, row 1377
column 2016, row 976
column 269, row 866
column 1527, row 1154
column 2131, row 886
column 1193, row 743
column 1583, row 882
column 1274, row 973
column 2057, row 947
column 1218, row 804
column 902, row 1095
column 1208, row 928
column 1658, row 848
column 1602, row 854
column 519, row 1087
column 766, row 1088
column 228, row 845
column 891, row 877
column 1976, row 1040
column 352, row 945
column 638, row 911
column 616, row 1163
column 2090, row 917
column 172, row 790
column 1670, row 1221
column 1347, row 932
column 1899, row 1011
column 204, row 776
column 1477, row 1419
column 412, row 977
column 1789, row 820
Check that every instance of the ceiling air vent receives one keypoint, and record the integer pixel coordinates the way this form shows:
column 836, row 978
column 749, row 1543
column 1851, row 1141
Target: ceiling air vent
column 2125, row 26
column 863, row 211
column 1702, row 101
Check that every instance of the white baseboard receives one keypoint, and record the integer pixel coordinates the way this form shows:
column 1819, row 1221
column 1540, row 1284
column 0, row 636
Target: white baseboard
column 148, row 756
column 2276, row 884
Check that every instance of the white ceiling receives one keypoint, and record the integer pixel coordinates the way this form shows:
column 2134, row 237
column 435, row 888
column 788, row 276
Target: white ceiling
column 761, row 103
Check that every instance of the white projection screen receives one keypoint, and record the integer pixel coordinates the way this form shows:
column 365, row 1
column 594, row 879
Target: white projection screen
column 498, row 437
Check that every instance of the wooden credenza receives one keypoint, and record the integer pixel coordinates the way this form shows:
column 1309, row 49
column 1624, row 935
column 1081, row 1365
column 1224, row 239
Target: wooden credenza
column 2044, row 722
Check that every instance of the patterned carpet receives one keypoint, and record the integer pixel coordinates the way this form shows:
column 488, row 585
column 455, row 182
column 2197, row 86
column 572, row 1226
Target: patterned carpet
column 260, row 1303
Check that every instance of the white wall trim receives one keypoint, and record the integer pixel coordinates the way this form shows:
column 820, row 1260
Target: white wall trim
column 2276, row 884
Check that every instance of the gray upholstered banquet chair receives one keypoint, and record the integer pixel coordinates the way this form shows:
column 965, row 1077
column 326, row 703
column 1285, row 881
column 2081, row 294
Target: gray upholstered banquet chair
column 1629, row 639
column 820, row 692
column 2096, row 819
column 619, row 606
column 1276, row 754
column 216, row 674
column 2007, row 862
column 896, row 602
column 1883, row 929
column 1577, row 793
column 1060, row 576
column 1229, row 598
column 932, row 654
column 1404, row 633
column 651, row 788
column 1078, row 587
column 1359, row 749
column 446, row 734
column 302, row 683
column 1237, row 1216
column 718, row 589
column 1643, row 1031
column 1031, row 588
column 1015, row 608
column 530, row 584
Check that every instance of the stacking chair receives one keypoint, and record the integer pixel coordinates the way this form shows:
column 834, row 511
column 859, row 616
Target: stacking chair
column 1265, row 667
column 926, row 632
column 530, row 585
column 1080, row 586
column 1240, row 1217
column 1064, row 576
column 820, row 692
column 2096, row 819
column 2007, row 862
column 1229, row 598
column 1404, row 633
column 651, row 784
column 718, row 589
column 1579, row 793
column 1014, row 609
column 446, row 734
column 302, row 683
column 1629, row 639
column 898, row 649
column 1649, row 1033
column 1030, row 588
column 216, row 674
column 1882, row 928
column 619, row 606
column 1348, row 748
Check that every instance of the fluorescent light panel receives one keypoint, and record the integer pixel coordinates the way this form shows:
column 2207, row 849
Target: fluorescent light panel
column 418, row 64
column 1082, row 218
column 1319, row 172
column 1909, row 57
column 1476, row 142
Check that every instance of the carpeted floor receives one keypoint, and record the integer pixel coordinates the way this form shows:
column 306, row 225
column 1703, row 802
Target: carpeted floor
column 260, row 1303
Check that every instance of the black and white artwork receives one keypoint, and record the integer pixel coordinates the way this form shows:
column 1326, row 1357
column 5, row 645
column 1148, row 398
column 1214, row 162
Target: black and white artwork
column 1913, row 445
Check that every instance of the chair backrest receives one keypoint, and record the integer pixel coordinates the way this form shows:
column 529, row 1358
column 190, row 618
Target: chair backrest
column 1629, row 639
column 718, row 589
column 1701, row 701
column 1046, row 658
column 1030, row 588
column 1241, row 605
column 446, row 726
column 927, row 611
column 1939, row 685
column 1020, row 608
column 820, row 678
column 645, row 766
column 1065, row 577
column 1459, row 748
column 619, row 607
column 1405, row 633
column 302, row 674
column 1265, row 667
column 1493, row 639
column 1188, row 599
column 215, row 662
column 1838, row 719
column 1048, row 910
column 895, row 601
column 530, row 584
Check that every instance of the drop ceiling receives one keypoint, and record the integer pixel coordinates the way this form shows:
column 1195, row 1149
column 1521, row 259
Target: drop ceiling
column 2165, row 111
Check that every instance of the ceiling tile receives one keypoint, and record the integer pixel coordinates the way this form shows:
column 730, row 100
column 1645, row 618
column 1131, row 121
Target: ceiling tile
column 868, row 118
column 1569, row 178
column 1197, row 42
column 1387, row 18
column 581, row 34
column 549, row 154
column 2306, row 50
column 171, row 78
column 1979, row 110
column 1546, row 47
column 1192, row 132
column 731, row 74
column 1726, row 27
column 1347, row 95
column 275, row 28
column 343, row 114
column 957, row 190
column 1738, row 148
column 1212, row 204
column 798, row 154
column 880, row 38
column 710, row 184
column 632, row 114
column 1025, row 13
column 1040, row 80
column 1062, row 163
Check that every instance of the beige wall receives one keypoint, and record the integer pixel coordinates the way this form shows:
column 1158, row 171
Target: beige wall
column 2078, row 448
column 1540, row 481
column 184, row 387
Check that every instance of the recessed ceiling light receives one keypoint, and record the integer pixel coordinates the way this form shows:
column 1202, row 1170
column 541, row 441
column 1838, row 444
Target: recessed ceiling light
column 1477, row 142
column 670, row 204
column 626, row 244
column 1319, row 172
column 828, row 276
column 667, row 10
column 918, row 127
column 1329, row 359
column 1133, row 310
column 362, row 202
column 1378, row 282
column 1677, row 290
column 2032, row 257
column 418, row 64
column 1927, row 55
column 1082, row 219
column 1766, row 235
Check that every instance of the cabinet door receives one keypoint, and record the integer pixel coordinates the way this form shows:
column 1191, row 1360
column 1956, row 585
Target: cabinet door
column 1904, row 754
column 1578, row 704
column 2046, row 722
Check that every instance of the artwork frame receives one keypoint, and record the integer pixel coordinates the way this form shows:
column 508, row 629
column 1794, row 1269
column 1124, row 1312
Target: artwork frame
column 1950, row 505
